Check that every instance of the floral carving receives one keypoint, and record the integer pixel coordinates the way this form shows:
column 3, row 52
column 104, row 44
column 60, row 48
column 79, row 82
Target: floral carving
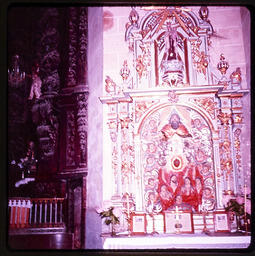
column 124, row 122
column 82, row 61
column 71, row 76
column 199, row 58
column 140, row 67
column 225, row 150
column 140, row 108
column 237, row 146
column 225, row 118
column 44, row 111
column 82, row 122
column 70, row 134
column 173, row 97
column 110, row 86
column 45, row 116
column 50, row 58
column 207, row 104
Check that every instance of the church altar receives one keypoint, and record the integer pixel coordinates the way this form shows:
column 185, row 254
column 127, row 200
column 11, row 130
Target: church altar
column 172, row 136
column 174, row 241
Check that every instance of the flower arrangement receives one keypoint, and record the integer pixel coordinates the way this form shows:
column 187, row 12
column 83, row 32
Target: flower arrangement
column 27, row 163
column 111, row 216
column 241, row 209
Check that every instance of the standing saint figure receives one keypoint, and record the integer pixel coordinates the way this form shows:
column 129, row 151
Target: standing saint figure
column 170, row 39
column 35, row 90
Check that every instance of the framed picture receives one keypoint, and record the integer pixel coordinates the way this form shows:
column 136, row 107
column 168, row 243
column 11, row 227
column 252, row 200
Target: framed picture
column 138, row 223
column 178, row 222
column 221, row 222
column 155, row 223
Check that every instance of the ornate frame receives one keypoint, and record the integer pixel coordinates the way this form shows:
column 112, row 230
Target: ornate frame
column 136, row 218
column 221, row 221
column 170, row 228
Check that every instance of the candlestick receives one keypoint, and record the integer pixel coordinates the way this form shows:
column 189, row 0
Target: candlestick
column 245, row 220
column 128, row 205
column 228, row 182
column 177, row 211
column 245, row 199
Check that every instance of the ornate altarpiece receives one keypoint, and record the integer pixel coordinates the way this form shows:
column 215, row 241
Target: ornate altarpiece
column 171, row 75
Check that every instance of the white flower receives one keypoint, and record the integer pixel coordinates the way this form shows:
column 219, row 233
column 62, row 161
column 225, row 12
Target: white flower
column 20, row 165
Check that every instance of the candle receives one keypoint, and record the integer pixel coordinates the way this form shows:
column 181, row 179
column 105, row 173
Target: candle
column 245, row 200
column 128, row 204
column 176, row 210
column 228, row 182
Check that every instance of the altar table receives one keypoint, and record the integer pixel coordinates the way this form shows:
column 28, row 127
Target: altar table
column 176, row 241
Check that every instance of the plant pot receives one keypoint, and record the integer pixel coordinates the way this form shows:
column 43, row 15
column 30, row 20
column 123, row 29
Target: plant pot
column 113, row 233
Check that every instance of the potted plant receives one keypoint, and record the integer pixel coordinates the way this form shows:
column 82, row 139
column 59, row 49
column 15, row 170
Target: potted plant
column 237, row 206
column 110, row 218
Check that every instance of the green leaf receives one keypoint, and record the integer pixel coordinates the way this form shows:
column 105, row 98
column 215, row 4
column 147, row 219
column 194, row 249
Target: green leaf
column 108, row 222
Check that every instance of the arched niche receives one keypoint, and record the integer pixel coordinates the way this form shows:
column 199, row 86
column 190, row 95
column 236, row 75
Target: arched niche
column 162, row 151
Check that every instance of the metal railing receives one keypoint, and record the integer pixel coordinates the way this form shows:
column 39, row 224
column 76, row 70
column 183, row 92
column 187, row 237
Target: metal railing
column 36, row 212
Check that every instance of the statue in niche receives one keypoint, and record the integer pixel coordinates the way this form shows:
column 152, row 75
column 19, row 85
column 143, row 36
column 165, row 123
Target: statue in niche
column 170, row 39
column 35, row 90
column 171, row 64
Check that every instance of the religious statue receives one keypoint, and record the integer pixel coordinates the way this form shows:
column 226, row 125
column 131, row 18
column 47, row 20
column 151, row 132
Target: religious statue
column 170, row 41
column 35, row 90
column 180, row 204
column 236, row 76
column 175, row 126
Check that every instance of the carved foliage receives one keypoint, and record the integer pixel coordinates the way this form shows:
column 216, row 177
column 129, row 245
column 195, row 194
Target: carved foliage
column 49, row 55
column 82, row 121
column 207, row 104
column 82, row 61
column 141, row 107
column 70, row 138
column 237, row 145
column 71, row 76
column 44, row 113
column 47, row 126
column 199, row 58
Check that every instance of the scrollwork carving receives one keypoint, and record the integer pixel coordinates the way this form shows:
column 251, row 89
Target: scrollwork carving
column 71, row 76
column 47, row 126
column 82, row 122
column 207, row 104
column 82, row 61
column 44, row 112
column 70, row 138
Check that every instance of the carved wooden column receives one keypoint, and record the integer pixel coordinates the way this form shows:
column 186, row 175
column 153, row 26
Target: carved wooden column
column 74, row 122
column 45, row 114
column 225, row 151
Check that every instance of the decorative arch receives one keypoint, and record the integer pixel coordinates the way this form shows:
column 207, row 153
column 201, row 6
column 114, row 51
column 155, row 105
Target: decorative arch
column 187, row 152
column 155, row 107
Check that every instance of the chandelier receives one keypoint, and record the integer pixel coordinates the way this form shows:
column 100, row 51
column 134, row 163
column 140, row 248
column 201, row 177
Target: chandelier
column 15, row 75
